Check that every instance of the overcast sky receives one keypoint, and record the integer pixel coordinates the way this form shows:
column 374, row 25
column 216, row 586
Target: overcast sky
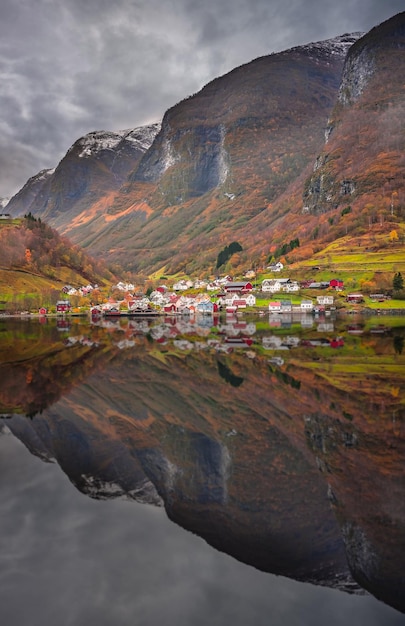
column 69, row 67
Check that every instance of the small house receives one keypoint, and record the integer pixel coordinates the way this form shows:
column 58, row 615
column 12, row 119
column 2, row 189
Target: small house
column 275, row 267
column 325, row 300
column 336, row 283
column 285, row 306
column 63, row 306
column 355, row 298
column 238, row 286
column 306, row 306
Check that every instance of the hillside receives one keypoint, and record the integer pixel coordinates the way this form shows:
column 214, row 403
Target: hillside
column 36, row 262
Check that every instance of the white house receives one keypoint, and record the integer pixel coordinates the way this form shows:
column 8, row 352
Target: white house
column 291, row 287
column 250, row 299
column 307, row 306
column 274, row 285
column 200, row 284
column 325, row 300
column 275, row 267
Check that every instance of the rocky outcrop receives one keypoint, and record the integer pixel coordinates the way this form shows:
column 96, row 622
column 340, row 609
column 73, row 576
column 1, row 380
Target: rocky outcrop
column 96, row 164
column 357, row 140
column 180, row 177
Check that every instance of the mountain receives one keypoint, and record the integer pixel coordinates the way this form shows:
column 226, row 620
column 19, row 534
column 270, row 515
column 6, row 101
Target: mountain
column 95, row 166
column 362, row 163
column 245, row 160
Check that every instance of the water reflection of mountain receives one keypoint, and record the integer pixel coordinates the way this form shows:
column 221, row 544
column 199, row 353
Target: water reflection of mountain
column 297, row 469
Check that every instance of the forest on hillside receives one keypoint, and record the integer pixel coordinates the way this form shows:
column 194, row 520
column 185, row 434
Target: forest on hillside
column 30, row 244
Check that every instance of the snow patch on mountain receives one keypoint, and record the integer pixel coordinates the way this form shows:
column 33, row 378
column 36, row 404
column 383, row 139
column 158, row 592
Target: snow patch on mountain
column 144, row 136
column 98, row 140
column 334, row 47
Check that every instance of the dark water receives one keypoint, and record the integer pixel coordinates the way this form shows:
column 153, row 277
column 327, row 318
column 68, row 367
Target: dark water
column 272, row 463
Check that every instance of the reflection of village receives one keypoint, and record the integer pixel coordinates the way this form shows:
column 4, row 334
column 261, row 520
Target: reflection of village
column 219, row 333
column 228, row 321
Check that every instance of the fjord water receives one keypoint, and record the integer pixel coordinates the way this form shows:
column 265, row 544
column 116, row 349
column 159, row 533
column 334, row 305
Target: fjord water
column 280, row 445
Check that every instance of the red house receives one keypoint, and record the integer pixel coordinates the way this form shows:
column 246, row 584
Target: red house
column 336, row 283
column 170, row 308
column 238, row 287
column 63, row 306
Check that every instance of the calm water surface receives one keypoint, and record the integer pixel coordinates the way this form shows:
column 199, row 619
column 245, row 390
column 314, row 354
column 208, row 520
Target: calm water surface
column 269, row 452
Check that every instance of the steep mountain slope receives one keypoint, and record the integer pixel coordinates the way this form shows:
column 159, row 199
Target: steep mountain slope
column 357, row 184
column 95, row 166
column 223, row 155
column 245, row 160
column 220, row 158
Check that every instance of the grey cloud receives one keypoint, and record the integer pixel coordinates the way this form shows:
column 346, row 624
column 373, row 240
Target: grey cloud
column 68, row 67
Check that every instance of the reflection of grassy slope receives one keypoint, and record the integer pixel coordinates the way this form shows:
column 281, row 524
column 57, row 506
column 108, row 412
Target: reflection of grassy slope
column 37, row 368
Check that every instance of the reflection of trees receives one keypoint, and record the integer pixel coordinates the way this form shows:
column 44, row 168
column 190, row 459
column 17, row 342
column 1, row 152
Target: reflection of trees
column 228, row 376
column 41, row 369
column 398, row 344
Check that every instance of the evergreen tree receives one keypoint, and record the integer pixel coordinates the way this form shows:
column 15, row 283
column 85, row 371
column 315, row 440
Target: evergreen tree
column 398, row 282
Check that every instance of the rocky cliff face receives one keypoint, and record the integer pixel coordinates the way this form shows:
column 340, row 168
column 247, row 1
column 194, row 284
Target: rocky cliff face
column 206, row 141
column 32, row 195
column 96, row 164
column 364, row 144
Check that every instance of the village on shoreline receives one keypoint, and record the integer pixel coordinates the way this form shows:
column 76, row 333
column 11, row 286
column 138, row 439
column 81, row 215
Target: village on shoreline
column 278, row 296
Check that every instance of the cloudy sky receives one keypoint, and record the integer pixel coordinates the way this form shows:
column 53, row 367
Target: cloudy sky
column 69, row 67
